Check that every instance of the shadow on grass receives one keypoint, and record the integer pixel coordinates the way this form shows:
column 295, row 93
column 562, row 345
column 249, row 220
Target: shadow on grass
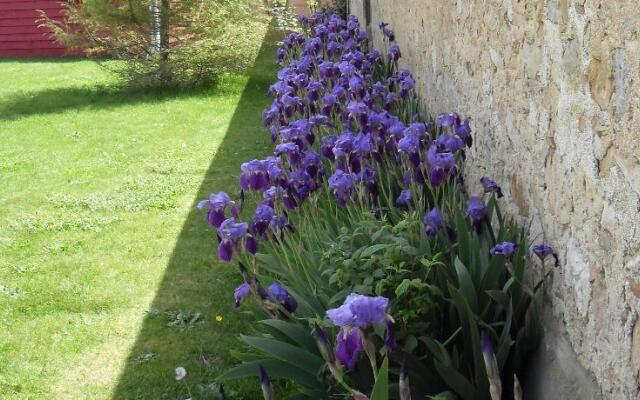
column 48, row 101
column 194, row 282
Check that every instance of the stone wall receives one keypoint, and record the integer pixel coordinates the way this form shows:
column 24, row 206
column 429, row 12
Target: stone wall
column 552, row 88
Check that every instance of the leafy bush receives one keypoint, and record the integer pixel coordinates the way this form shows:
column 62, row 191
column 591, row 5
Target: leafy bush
column 165, row 43
column 367, row 235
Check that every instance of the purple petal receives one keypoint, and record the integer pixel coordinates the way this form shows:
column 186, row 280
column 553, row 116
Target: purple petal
column 348, row 348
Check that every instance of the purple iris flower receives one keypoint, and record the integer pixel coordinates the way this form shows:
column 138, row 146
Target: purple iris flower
column 505, row 249
column 329, row 99
column 339, row 92
column 362, row 143
column 367, row 176
column 396, row 129
column 343, row 145
column 274, row 169
column 360, row 311
column 318, row 120
column 388, row 33
column 323, row 344
column 417, row 129
column 464, row 132
column 542, row 250
column 240, row 293
column 301, row 183
column 341, row 182
column 251, row 244
column 348, row 346
column 326, row 70
column 378, row 89
column 280, row 293
column 313, row 90
column 261, row 219
column 433, row 222
column 280, row 88
column 440, row 165
column 230, row 233
column 405, row 86
column 328, row 143
column 290, row 103
column 357, row 59
column 270, row 195
column 359, row 111
column 476, row 209
column 390, row 100
column 450, row 119
column 409, row 144
column 389, row 337
column 278, row 222
column 404, row 198
column 346, row 68
column 374, row 56
column 217, row 203
column 356, row 85
column 407, row 177
column 312, row 162
column 404, row 72
column 321, row 30
column 225, row 250
column 292, row 150
column 300, row 80
column 232, row 230
column 394, row 52
column 491, row 186
column 491, row 366
column 270, row 114
column 449, row 143
column 487, row 347
column 254, row 175
column 333, row 48
column 265, row 383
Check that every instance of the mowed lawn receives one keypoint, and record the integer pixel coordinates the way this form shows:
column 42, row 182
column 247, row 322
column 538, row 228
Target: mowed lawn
column 108, row 274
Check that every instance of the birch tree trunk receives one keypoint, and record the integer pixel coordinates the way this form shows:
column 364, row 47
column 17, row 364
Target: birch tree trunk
column 165, row 73
column 154, row 10
column 159, row 10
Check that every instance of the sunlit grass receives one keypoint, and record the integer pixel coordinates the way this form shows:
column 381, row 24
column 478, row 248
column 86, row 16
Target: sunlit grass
column 97, row 184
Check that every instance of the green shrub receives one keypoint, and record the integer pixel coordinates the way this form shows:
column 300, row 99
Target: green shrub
column 184, row 43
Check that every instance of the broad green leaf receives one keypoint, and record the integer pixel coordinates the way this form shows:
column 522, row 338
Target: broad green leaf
column 381, row 387
column 469, row 324
column 499, row 297
column 286, row 352
column 438, row 351
column 445, row 396
column 456, row 381
column 369, row 251
column 466, row 285
column 295, row 332
column 403, row 287
column 275, row 368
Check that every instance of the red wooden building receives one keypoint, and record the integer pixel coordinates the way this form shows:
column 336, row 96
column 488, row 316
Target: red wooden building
column 20, row 35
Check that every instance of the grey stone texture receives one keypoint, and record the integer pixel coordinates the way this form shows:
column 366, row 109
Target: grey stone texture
column 552, row 88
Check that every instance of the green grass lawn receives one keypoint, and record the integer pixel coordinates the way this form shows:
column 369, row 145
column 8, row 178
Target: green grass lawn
column 108, row 276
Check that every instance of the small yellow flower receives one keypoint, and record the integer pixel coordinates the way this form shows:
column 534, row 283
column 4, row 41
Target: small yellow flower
column 218, row 318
